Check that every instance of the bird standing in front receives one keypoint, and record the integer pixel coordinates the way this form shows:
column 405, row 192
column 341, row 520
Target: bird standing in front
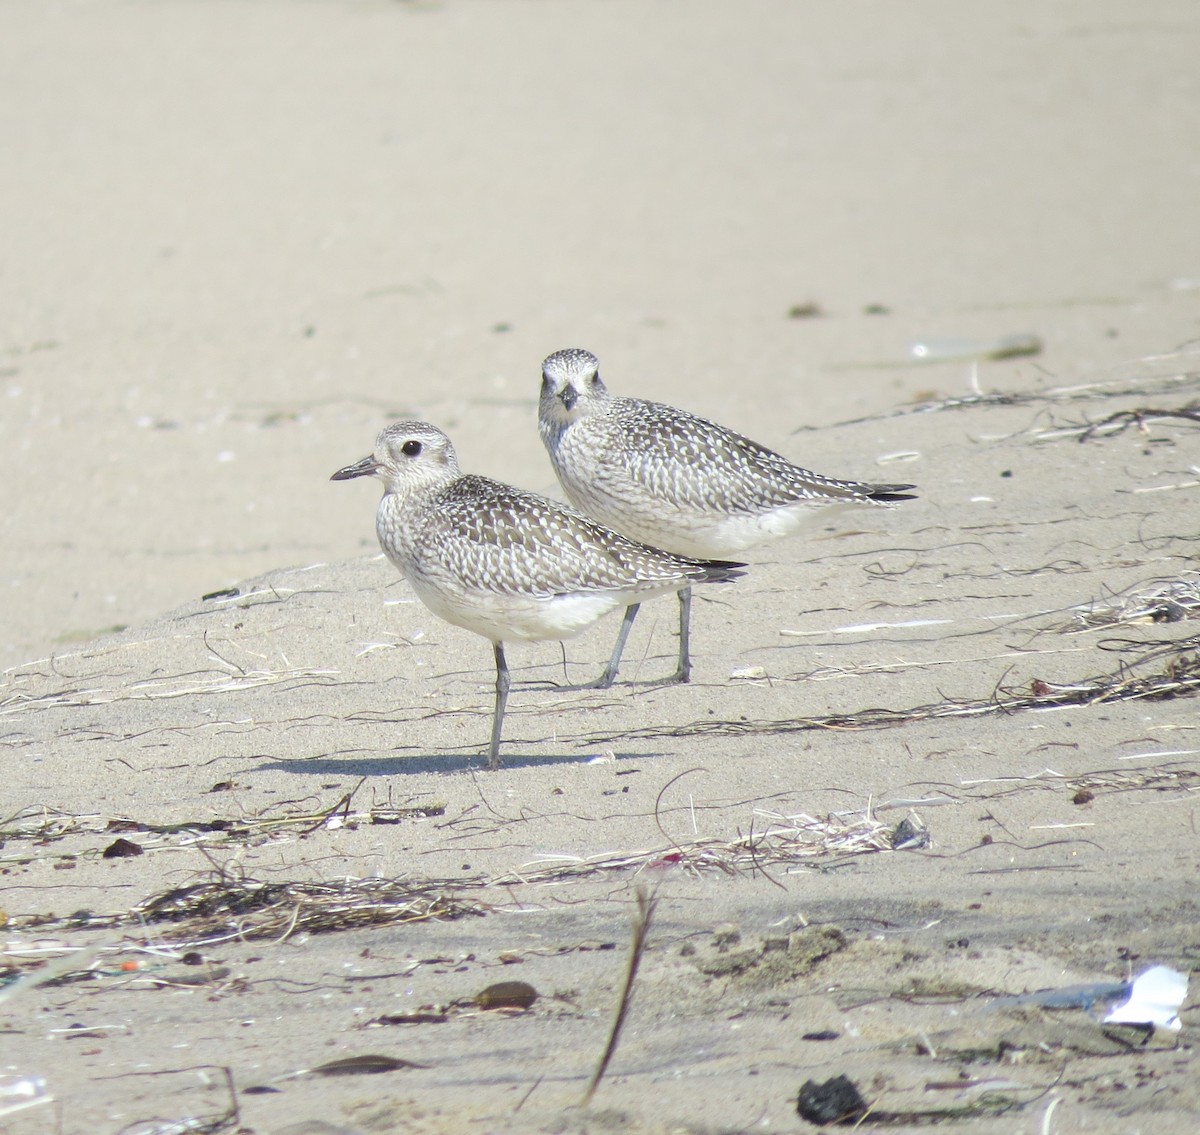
column 502, row 562
column 675, row 480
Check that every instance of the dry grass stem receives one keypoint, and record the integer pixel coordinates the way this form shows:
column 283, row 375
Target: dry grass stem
column 646, row 904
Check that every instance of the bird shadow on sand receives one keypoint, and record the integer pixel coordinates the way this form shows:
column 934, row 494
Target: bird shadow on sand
column 421, row 763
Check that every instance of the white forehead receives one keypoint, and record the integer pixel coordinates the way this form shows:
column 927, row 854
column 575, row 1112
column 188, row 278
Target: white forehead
column 569, row 365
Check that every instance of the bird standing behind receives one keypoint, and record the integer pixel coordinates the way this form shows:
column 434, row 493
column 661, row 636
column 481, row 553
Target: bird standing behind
column 675, row 480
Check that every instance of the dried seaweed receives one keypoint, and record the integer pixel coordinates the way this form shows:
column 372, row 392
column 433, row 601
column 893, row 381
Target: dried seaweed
column 1114, row 424
column 1120, row 387
column 230, row 905
column 1156, row 601
column 786, row 841
column 44, row 825
column 1177, row 675
column 1120, row 421
column 1173, row 776
column 270, row 910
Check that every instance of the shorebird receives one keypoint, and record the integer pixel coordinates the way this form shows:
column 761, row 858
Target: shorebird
column 675, row 480
column 502, row 562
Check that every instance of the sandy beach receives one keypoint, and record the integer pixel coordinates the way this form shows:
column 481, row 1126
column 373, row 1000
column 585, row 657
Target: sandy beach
column 933, row 759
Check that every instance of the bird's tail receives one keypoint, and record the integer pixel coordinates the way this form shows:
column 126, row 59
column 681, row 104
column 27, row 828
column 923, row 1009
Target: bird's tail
column 719, row 571
column 888, row 494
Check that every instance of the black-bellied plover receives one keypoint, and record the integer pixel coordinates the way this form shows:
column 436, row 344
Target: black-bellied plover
column 502, row 562
column 674, row 480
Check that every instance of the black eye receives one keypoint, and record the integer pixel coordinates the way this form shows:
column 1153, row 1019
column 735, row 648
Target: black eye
column 595, row 377
column 410, row 448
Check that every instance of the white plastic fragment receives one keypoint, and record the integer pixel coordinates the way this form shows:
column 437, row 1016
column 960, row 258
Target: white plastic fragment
column 945, row 350
column 1154, row 999
column 19, row 1093
column 749, row 672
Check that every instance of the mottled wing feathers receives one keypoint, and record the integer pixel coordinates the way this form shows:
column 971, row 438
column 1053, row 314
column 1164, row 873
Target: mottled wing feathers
column 695, row 463
column 499, row 538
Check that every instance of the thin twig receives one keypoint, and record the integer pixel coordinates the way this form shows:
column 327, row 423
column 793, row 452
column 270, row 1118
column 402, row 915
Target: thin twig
column 646, row 904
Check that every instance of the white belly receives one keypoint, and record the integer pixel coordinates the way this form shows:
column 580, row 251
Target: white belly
column 698, row 533
column 504, row 618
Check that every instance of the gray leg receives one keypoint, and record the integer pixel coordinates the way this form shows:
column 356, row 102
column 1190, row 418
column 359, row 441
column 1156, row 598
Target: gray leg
column 684, row 672
column 610, row 671
column 503, row 682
